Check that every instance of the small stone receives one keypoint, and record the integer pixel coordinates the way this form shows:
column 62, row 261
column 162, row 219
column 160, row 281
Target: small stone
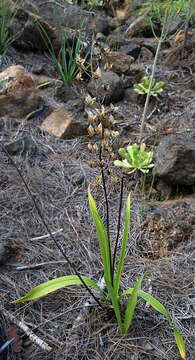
column 118, row 62
column 107, row 89
column 62, row 123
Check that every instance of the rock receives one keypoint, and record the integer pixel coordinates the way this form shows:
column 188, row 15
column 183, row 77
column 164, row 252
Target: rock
column 26, row 25
column 18, row 93
column 62, row 123
column 136, row 25
column 65, row 92
column 131, row 49
column 21, row 146
column 116, row 41
column 175, row 160
column 118, row 62
column 107, row 89
column 146, row 54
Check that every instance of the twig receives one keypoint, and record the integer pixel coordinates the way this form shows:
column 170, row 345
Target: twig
column 37, row 266
column 47, row 235
column 34, row 338
column 47, row 227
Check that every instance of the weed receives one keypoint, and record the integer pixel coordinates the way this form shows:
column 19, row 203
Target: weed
column 135, row 158
column 67, row 61
column 7, row 15
column 144, row 87
column 164, row 13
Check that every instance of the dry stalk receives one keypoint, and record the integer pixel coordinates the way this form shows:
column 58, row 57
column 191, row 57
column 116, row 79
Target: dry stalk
column 34, row 338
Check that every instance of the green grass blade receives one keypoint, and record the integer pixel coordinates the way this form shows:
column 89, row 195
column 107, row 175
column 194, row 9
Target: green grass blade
column 115, row 303
column 55, row 284
column 152, row 301
column 161, row 309
column 131, row 305
column 180, row 343
column 102, row 238
column 127, row 221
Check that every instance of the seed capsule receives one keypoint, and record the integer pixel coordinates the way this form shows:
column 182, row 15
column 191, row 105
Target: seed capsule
column 91, row 130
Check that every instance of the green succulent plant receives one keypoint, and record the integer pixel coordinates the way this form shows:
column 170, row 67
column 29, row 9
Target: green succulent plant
column 155, row 88
column 135, row 158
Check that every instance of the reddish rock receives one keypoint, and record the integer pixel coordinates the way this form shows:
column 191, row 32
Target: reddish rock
column 18, row 93
column 61, row 123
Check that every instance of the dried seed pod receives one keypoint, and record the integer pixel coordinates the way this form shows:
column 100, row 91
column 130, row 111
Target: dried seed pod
column 113, row 108
column 97, row 74
column 98, row 181
column 100, row 163
column 90, row 147
column 91, row 163
column 80, row 61
column 79, row 76
column 106, row 133
column 95, row 148
column 105, row 144
column 111, row 120
column 101, row 112
column 114, row 180
column 98, row 129
column 91, row 130
column 108, row 67
column 91, row 116
column 89, row 100
column 114, row 133
column 112, row 156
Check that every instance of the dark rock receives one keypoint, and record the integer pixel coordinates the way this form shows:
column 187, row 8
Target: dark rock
column 175, row 160
column 107, row 89
column 118, row 62
column 65, row 92
column 116, row 41
column 131, row 49
column 21, row 146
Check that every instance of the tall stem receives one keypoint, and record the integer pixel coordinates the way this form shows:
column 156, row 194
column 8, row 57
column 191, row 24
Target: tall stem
column 143, row 118
column 164, row 31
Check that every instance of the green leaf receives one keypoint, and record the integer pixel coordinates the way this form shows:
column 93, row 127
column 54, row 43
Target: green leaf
column 121, row 163
column 102, row 238
column 115, row 303
column 123, row 153
column 152, row 301
column 127, row 221
column 55, row 284
column 131, row 305
column 180, row 343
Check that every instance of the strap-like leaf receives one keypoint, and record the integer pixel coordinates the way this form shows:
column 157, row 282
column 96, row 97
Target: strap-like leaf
column 180, row 343
column 131, row 305
column 127, row 221
column 152, row 301
column 102, row 238
column 55, row 284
